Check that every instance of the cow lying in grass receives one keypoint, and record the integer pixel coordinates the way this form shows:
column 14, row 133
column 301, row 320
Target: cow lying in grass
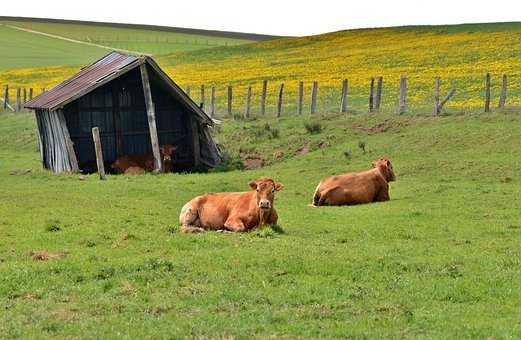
column 356, row 188
column 233, row 211
column 131, row 164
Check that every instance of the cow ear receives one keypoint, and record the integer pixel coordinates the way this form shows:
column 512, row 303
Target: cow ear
column 279, row 186
column 253, row 185
column 387, row 162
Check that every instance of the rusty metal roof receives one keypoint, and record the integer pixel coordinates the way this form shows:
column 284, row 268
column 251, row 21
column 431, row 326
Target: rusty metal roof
column 101, row 72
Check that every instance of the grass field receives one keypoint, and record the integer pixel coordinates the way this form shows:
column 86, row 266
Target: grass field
column 460, row 54
column 142, row 40
column 440, row 260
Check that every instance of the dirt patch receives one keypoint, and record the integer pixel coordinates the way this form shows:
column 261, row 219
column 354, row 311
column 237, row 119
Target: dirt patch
column 251, row 160
column 378, row 128
column 44, row 255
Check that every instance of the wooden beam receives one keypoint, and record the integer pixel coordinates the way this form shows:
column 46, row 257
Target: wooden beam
column 230, row 98
column 69, row 144
column 300, row 100
column 503, row 95
column 378, row 97
column 99, row 152
column 343, row 96
column 212, row 101
column 151, row 114
column 437, row 85
column 403, row 95
column 371, row 96
column 487, row 92
column 264, row 94
column 279, row 100
column 314, row 93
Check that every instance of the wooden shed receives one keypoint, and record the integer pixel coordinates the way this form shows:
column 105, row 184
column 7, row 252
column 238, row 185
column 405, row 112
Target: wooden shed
column 137, row 108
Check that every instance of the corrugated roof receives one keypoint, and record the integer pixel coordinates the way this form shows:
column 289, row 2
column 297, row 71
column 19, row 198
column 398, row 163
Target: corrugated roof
column 101, row 72
column 84, row 81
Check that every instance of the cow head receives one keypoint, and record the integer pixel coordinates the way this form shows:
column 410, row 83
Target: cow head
column 166, row 151
column 265, row 191
column 386, row 168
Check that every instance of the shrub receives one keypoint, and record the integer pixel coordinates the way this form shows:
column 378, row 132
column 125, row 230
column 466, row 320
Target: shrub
column 53, row 226
column 313, row 127
column 361, row 146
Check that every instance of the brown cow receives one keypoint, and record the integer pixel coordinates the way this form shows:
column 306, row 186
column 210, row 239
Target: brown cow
column 356, row 188
column 233, row 211
column 144, row 161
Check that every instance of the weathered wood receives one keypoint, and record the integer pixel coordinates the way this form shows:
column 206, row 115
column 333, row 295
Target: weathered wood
column 99, row 152
column 279, row 100
column 503, row 95
column 248, row 102
column 300, row 99
column 371, row 95
column 403, row 95
column 212, row 101
column 437, row 85
column 6, row 97
column 314, row 93
column 18, row 100
column 230, row 99
column 24, row 96
column 343, row 96
column 449, row 95
column 378, row 97
column 151, row 114
column 196, row 145
column 69, row 145
column 31, row 93
column 264, row 94
column 202, row 104
column 487, row 92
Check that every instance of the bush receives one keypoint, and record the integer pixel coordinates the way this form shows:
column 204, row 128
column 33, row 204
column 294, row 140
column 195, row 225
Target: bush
column 313, row 127
column 228, row 163
column 53, row 226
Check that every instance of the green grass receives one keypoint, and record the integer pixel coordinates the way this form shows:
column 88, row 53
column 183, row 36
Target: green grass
column 22, row 49
column 440, row 260
column 141, row 40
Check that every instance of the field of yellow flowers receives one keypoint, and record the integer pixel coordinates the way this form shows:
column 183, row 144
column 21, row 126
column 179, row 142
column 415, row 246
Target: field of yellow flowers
column 460, row 55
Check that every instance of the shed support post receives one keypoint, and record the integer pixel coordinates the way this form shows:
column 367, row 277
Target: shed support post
column 151, row 114
column 99, row 153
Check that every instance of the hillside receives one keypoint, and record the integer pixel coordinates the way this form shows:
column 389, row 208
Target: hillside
column 440, row 260
column 140, row 38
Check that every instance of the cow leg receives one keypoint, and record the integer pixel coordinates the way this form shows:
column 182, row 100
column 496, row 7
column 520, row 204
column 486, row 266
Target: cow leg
column 189, row 219
column 234, row 224
column 383, row 195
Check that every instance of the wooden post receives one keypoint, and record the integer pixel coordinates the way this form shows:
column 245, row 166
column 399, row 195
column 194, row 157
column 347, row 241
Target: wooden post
column 314, row 92
column 202, row 97
column 196, row 146
column 487, row 92
column 300, row 100
column 263, row 97
column 25, row 96
column 503, row 95
column 378, row 98
column 188, row 91
column 437, row 85
column 248, row 102
column 230, row 98
column 343, row 97
column 279, row 101
column 31, row 93
column 18, row 100
column 371, row 95
column 99, row 152
column 212, row 102
column 403, row 95
column 6, row 97
column 151, row 113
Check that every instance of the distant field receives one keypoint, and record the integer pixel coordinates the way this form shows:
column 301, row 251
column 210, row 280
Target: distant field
column 23, row 50
column 141, row 40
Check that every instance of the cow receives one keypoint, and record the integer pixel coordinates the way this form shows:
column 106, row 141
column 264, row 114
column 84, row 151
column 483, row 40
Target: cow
column 232, row 211
column 145, row 161
column 356, row 188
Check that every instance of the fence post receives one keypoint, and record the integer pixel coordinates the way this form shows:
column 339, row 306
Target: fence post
column 403, row 94
column 343, row 97
column 437, row 85
column 31, row 93
column 202, row 97
column 279, row 101
column 248, row 102
column 371, row 95
column 25, row 96
column 99, row 153
column 212, row 101
column 378, row 98
column 503, row 95
column 300, row 100
column 314, row 92
column 18, row 100
column 263, row 97
column 6, row 97
column 230, row 97
column 487, row 92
